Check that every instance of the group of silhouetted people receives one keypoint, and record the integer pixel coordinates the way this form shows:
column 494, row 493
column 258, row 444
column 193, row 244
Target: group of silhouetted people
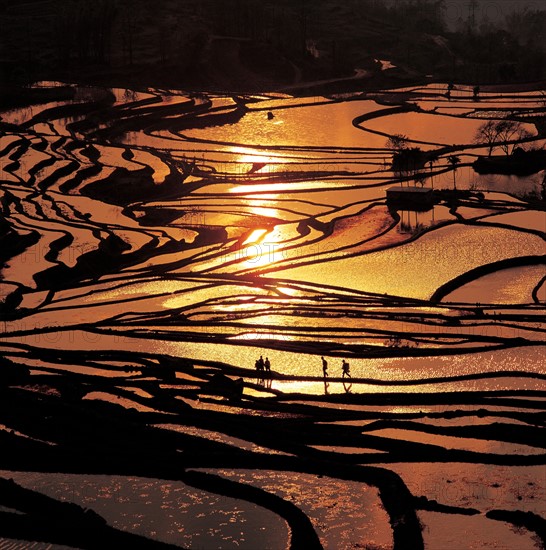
column 345, row 368
column 263, row 366
column 475, row 91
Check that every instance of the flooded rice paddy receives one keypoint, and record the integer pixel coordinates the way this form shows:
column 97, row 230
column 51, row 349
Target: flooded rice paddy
column 156, row 243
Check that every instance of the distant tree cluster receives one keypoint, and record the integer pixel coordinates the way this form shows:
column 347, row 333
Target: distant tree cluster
column 84, row 29
column 322, row 38
column 406, row 160
column 501, row 133
column 419, row 15
column 509, row 50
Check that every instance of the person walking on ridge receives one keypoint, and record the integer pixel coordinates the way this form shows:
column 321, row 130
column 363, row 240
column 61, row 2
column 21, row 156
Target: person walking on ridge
column 324, row 367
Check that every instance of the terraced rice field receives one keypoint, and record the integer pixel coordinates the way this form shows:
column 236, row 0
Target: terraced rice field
column 155, row 243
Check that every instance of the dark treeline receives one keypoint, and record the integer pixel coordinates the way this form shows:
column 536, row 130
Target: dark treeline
column 51, row 38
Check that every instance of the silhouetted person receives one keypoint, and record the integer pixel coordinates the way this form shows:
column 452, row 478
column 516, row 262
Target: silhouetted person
column 345, row 368
column 476, row 91
column 261, row 363
column 267, row 365
column 324, row 367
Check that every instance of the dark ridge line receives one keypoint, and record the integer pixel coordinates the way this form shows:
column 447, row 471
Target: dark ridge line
column 414, row 382
column 515, row 210
column 45, row 519
column 311, row 424
column 375, row 382
column 523, row 203
column 329, row 231
column 272, row 178
column 243, row 321
column 536, row 290
column 302, row 534
column 147, row 106
column 500, row 210
column 63, row 146
column 259, row 109
column 72, row 166
column 290, row 162
column 521, row 261
column 201, row 198
column 107, row 111
column 479, row 223
column 365, row 156
column 99, row 381
column 248, row 195
column 109, row 244
column 191, row 277
column 274, row 375
column 275, row 267
column 471, row 115
column 199, row 119
column 12, row 168
column 204, row 251
column 13, row 145
column 452, row 398
column 370, row 203
column 530, row 436
column 405, row 107
column 57, row 245
column 529, row 520
column 111, row 302
column 81, row 175
column 37, row 168
column 470, row 398
column 462, row 316
column 397, row 450
column 28, row 225
column 244, row 434
column 432, row 144
column 19, row 149
column 228, row 338
column 312, row 307
column 171, row 313
column 42, row 308
column 70, row 110
column 424, row 503
column 142, row 320
column 146, row 123
column 313, row 148
column 341, row 291
column 114, row 355
column 396, row 498
column 356, row 351
column 330, row 417
column 243, row 212
column 524, row 328
column 353, row 296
